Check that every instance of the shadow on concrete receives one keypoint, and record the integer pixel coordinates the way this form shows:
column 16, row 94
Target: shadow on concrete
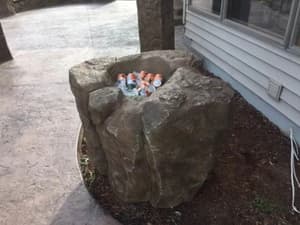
column 79, row 208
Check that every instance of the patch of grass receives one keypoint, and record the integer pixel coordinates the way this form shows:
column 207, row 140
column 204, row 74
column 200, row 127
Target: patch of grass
column 264, row 206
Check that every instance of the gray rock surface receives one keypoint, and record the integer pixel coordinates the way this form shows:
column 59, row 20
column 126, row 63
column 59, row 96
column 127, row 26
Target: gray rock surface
column 5, row 8
column 4, row 51
column 181, row 125
column 161, row 148
column 84, row 79
column 156, row 24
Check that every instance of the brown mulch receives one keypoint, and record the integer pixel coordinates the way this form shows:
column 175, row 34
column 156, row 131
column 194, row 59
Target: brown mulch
column 250, row 184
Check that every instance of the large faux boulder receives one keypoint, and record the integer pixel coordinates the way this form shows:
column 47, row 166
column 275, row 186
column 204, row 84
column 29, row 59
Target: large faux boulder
column 158, row 148
column 98, row 73
column 6, row 8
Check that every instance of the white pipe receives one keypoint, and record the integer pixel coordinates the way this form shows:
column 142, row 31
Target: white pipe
column 294, row 156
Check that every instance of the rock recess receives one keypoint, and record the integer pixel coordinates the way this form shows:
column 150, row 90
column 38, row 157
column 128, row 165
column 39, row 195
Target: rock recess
column 159, row 148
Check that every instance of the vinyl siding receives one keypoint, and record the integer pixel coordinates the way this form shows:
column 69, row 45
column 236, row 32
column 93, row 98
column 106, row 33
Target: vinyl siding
column 249, row 61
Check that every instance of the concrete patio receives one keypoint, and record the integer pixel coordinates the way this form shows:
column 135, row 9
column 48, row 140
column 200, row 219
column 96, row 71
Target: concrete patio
column 40, row 181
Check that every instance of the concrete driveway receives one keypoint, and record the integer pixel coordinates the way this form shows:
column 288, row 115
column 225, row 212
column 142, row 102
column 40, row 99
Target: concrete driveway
column 40, row 181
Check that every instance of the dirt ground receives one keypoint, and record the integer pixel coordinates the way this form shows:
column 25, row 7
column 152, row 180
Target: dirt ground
column 250, row 184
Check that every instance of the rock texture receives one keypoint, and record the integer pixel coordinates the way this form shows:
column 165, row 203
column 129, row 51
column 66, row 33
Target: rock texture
column 161, row 148
column 98, row 73
column 4, row 51
column 5, row 8
column 24, row 5
column 156, row 24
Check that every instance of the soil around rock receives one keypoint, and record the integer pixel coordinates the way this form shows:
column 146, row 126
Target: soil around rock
column 250, row 183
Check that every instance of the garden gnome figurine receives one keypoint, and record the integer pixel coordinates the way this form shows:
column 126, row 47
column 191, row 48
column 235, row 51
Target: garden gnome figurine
column 156, row 24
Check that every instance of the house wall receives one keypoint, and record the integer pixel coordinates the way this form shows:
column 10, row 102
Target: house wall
column 5, row 8
column 247, row 64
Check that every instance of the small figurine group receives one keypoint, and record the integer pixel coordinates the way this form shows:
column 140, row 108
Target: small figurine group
column 139, row 84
